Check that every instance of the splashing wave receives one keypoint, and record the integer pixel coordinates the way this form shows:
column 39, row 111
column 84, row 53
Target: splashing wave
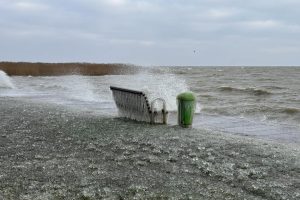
column 5, row 81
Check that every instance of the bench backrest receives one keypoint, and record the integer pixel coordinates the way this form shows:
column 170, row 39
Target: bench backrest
column 132, row 104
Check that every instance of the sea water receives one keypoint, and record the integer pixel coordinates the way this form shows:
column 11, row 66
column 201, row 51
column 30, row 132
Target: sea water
column 261, row 102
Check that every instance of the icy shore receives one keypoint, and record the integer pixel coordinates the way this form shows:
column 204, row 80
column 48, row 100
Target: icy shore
column 54, row 153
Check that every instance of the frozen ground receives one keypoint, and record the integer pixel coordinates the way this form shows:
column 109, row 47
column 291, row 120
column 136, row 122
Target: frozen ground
column 49, row 152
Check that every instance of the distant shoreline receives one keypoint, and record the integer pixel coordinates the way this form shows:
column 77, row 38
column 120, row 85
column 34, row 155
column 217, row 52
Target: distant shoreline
column 56, row 69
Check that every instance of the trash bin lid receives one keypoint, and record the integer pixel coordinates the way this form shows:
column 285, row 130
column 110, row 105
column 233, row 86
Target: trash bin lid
column 186, row 96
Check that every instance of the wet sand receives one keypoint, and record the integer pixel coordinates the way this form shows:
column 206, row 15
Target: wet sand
column 49, row 152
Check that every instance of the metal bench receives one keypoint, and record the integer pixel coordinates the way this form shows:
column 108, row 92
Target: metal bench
column 135, row 105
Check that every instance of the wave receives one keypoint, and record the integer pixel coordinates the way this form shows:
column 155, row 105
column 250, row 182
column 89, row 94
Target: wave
column 290, row 111
column 5, row 81
column 53, row 87
column 273, row 87
column 253, row 110
column 250, row 90
column 287, row 111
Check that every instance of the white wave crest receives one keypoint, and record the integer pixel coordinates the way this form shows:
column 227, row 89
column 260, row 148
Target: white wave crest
column 5, row 81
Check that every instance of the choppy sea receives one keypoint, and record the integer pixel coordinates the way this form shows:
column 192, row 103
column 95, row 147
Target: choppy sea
column 262, row 102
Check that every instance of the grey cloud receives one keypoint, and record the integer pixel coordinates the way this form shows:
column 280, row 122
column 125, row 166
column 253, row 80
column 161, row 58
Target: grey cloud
column 155, row 32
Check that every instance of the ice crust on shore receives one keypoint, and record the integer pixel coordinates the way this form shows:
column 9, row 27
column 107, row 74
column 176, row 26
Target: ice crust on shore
column 52, row 153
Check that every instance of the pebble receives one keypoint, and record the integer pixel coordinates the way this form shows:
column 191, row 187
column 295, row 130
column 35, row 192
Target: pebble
column 91, row 147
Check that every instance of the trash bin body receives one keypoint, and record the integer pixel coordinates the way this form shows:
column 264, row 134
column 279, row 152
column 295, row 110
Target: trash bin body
column 186, row 109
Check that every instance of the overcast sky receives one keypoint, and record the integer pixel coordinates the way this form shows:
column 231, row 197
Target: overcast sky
column 151, row 32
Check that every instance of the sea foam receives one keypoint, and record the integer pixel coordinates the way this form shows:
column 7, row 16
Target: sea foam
column 5, row 81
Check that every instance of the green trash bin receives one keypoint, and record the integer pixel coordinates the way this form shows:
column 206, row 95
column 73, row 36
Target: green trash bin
column 186, row 109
